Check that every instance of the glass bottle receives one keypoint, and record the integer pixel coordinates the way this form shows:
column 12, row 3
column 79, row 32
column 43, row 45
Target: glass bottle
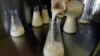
column 85, row 14
column 45, row 15
column 54, row 43
column 17, row 28
column 95, row 11
column 36, row 20
column 74, row 10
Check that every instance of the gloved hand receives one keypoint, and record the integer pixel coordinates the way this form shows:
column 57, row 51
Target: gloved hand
column 59, row 4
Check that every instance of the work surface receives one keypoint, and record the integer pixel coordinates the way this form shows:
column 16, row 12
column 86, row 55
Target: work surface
column 32, row 42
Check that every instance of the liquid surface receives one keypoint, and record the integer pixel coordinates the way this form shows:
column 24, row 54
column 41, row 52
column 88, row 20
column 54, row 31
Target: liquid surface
column 51, row 49
column 18, row 31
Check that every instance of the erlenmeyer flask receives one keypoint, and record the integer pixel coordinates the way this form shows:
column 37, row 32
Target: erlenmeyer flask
column 36, row 20
column 45, row 15
column 84, row 19
column 17, row 28
column 54, row 45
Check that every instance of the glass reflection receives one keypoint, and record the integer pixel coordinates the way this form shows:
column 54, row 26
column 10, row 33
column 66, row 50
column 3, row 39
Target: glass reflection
column 85, row 31
column 41, row 32
column 96, row 6
column 86, row 37
column 23, row 46
column 45, row 29
column 40, row 35
column 19, row 41
column 68, row 35
column 82, row 43
column 38, row 32
column 71, row 47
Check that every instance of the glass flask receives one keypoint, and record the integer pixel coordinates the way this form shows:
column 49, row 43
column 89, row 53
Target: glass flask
column 36, row 20
column 95, row 11
column 54, row 43
column 85, row 14
column 74, row 10
column 45, row 15
column 16, row 28
column 6, row 21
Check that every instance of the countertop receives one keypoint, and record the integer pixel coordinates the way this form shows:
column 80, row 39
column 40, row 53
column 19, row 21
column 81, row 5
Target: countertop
column 32, row 42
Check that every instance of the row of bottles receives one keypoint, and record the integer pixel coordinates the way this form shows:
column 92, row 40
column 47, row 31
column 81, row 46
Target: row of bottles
column 17, row 28
column 70, row 26
column 39, row 20
column 75, row 8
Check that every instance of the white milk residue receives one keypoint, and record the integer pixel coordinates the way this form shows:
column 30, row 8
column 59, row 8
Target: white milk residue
column 51, row 49
column 83, row 21
column 17, row 28
column 74, row 10
column 45, row 16
column 36, row 20
column 17, row 31
column 54, row 13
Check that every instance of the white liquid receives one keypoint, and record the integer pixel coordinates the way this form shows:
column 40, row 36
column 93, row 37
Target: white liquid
column 45, row 16
column 37, row 21
column 70, row 25
column 17, row 31
column 83, row 21
column 51, row 49
column 74, row 10
column 54, row 49
column 54, row 13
